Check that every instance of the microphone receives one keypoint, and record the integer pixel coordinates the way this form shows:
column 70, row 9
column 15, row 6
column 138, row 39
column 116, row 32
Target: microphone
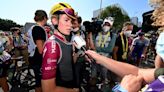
column 81, row 45
column 79, row 42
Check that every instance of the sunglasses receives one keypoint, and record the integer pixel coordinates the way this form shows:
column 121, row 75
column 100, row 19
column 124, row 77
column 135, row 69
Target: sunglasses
column 70, row 12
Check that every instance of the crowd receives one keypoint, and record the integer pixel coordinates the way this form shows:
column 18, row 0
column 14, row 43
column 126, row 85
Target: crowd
column 110, row 61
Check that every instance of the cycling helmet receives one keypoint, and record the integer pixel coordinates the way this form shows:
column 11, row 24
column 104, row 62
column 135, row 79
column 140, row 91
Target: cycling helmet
column 110, row 20
column 63, row 8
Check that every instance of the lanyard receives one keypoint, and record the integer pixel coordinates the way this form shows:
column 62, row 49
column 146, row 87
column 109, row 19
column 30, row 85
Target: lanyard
column 125, row 49
column 100, row 39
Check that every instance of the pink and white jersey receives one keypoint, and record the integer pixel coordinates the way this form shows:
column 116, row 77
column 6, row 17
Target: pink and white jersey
column 51, row 54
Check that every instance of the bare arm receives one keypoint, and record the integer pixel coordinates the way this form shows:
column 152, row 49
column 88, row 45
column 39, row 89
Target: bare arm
column 158, row 62
column 49, row 86
column 115, row 52
column 39, row 44
column 118, row 68
column 145, row 50
column 90, row 42
column 147, row 74
column 122, row 69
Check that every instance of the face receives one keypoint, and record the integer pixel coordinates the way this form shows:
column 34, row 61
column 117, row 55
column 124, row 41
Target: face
column 16, row 32
column 75, row 24
column 65, row 24
column 141, row 37
column 45, row 20
column 54, row 20
column 129, row 28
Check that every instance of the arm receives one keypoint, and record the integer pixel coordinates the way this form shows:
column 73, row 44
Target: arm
column 51, row 54
column 116, row 47
column 133, row 45
column 39, row 37
column 118, row 68
column 158, row 62
column 115, row 52
column 122, row 69
column 39, row 44
column 49, row 86
column 144, row 51
column 89, row 41
column 130, row 80
column 146, row 46
column 92, row 46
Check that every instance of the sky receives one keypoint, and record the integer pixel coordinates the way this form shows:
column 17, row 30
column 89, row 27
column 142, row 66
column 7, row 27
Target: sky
column 22, row 11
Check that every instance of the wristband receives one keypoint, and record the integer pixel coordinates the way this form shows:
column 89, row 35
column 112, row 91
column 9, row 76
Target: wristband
column 118, row 88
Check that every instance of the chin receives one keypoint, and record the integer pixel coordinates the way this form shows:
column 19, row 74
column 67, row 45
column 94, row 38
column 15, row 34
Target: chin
column 67, row 33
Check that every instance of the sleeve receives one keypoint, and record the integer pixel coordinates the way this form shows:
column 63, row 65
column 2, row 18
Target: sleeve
column 158, row 72
column 38, row 33
column 134, row 42
column 51, row 54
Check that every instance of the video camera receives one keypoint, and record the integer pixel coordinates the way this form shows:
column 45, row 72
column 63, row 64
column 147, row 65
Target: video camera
column 94, row 27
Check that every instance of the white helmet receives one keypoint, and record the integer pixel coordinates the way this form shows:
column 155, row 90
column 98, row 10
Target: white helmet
column 110, row 20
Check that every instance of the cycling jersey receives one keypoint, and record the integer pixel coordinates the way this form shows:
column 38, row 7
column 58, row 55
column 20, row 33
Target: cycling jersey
column 58, row 62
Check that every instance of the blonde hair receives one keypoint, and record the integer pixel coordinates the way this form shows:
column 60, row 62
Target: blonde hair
column 158, row 13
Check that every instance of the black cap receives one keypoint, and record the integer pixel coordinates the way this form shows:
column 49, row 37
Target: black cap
column 141, row 33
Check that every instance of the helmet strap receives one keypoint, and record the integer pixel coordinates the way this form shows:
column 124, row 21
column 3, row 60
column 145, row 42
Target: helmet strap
column 61, row 32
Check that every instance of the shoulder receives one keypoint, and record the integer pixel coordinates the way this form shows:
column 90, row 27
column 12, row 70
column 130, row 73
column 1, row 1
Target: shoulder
column 51, row 40
column 136, row 39
column 37, row 28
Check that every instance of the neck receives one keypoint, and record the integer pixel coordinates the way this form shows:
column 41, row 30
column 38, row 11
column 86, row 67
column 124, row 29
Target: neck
column 60, row 34
column 40, row 24
column 105, row 32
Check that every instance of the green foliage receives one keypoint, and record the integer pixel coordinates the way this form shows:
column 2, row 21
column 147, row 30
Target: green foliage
column 6, row 24
column 120, row 16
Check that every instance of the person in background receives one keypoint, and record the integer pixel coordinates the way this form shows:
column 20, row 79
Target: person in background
column 20, row 44
column 58, row 53
column 37, row 36
column 49, row 30
column 89, row 31
column 3, row 69
column 139, row 48
column 105, row 41
column 120, row 51
column 159, row 61
column 77, row 28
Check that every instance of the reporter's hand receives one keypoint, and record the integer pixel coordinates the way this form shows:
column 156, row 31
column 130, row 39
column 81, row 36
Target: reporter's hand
column 92, row 54
column 132, row 83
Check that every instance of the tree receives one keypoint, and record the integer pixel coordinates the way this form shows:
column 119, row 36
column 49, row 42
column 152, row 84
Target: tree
column 6, row 24
column 120, row 16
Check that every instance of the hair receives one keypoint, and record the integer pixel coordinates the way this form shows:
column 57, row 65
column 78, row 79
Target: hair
column 158, row 13
column 127, row 24
column 40, row 15
column 15, row 29
column 79, row 19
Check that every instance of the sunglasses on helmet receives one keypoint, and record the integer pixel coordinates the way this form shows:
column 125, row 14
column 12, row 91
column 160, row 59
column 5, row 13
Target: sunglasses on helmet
column 70, row 12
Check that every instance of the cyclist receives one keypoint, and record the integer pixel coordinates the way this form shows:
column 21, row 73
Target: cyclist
column 58, row 66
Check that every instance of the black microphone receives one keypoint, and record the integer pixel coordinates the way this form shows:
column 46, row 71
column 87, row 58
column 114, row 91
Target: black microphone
column 81, row 45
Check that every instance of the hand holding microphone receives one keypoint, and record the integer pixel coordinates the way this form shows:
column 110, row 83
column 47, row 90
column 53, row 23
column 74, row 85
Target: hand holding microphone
column 80, row 44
